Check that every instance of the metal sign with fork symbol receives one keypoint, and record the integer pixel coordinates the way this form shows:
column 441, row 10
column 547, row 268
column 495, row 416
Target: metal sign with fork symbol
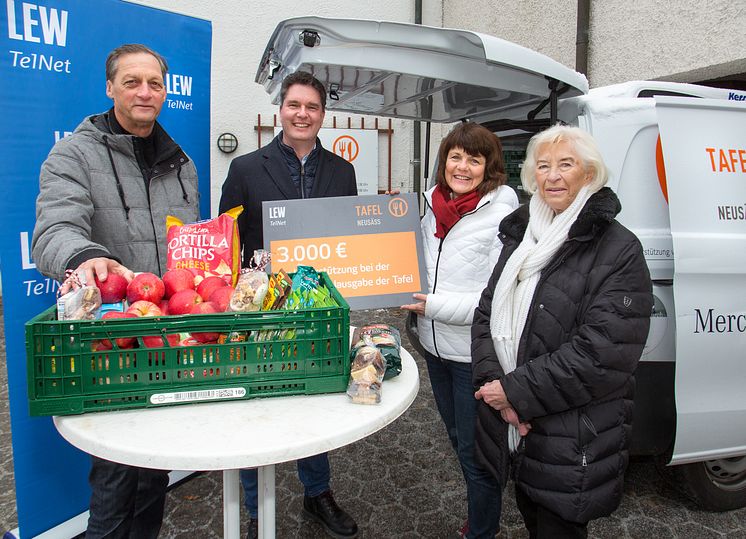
column 346, row 147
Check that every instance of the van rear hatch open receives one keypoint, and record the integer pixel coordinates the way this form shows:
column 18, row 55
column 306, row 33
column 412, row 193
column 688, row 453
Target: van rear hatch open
column 416, row 72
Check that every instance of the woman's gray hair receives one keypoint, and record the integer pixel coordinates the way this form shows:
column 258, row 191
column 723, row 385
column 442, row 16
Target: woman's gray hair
column 583, row 144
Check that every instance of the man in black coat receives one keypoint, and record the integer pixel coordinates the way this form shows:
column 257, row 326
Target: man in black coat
column 293, row 165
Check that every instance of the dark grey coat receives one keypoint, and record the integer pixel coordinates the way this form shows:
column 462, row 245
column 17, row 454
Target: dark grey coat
column 574, row 381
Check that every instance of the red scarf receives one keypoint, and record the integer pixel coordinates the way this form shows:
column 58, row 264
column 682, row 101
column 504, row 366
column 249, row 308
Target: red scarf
column 448, row 211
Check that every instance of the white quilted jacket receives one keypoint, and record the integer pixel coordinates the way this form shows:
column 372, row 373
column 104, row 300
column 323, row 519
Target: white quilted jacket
column 458, row 268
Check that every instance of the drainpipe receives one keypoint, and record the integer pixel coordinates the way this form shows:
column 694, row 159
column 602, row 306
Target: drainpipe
column 417, row 142
column 581, row 36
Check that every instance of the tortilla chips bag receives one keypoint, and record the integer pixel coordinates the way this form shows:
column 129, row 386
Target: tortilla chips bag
column 207, row 248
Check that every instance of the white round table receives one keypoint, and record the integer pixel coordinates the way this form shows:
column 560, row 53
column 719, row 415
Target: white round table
column 238, row 434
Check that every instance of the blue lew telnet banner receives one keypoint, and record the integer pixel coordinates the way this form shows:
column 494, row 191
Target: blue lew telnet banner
column 52, row 56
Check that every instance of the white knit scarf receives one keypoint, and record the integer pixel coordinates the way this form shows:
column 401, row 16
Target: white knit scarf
column 515, row 288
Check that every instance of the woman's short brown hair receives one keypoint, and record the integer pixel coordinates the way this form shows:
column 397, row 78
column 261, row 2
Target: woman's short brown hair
column 474, row 140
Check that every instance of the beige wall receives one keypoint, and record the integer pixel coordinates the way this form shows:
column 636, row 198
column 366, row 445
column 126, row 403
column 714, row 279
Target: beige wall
column 240, row 32
column 544, row 26
column 680, row 40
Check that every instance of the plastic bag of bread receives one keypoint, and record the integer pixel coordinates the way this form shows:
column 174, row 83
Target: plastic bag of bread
column 366, row 375
column 252, row 284
column 388, row 341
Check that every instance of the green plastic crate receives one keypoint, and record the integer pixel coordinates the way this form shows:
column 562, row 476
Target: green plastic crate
column 287, row 352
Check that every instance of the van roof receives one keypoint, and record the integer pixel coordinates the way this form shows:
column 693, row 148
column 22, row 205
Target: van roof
column 647, row 88
column 414, row 71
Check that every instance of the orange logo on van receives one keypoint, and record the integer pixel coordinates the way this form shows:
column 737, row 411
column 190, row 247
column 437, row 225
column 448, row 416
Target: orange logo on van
column 346, row 147
column 660, row 167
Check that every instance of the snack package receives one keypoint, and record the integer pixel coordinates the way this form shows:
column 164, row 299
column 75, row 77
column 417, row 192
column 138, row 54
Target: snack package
column 118, row 307
column 307, row 292
column 388, row 341
column 252, row 285
column 207, row 248
column 277, row 292
column 366, row 375
column 82, row 302
column 305, row 278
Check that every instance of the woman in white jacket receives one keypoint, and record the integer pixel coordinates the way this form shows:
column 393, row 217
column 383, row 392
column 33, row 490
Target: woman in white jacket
column 461, row 246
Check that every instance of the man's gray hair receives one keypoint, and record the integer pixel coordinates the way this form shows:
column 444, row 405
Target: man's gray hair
column 112, row 61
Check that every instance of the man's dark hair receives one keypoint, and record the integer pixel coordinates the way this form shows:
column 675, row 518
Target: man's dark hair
column 112, row 61
column 306, row 79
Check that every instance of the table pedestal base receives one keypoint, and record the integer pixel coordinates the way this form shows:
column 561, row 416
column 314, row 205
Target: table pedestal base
column 266, row 489
column 232, row 505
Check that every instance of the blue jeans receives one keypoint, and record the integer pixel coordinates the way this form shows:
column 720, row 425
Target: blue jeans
column 313, row 472
column 454, row 396
column 126, row 501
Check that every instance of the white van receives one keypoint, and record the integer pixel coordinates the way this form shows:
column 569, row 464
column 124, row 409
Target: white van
column 690, row 400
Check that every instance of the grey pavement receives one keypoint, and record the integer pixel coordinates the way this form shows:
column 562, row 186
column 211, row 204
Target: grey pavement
column 404, row 482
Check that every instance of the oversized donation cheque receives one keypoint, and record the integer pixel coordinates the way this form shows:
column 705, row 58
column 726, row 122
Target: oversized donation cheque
column 199, row 333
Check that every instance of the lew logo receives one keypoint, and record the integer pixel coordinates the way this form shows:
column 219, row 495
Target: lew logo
column 178, row 84
column 277, row 212
column 60, row 134
column 35, row 24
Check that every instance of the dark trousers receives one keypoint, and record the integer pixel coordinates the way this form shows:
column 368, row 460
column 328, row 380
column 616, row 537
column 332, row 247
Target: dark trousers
column 313, row 472
column 126, row 501
column 454, row 396
column 542, row 523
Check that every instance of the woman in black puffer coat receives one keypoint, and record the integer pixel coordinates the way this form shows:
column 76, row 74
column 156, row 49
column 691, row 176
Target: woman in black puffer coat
column 556, row 339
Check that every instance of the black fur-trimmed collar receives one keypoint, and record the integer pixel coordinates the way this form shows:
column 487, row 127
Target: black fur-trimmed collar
column 600, row 210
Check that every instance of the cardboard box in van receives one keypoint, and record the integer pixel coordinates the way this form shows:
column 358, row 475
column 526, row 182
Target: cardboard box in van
column 677, row 156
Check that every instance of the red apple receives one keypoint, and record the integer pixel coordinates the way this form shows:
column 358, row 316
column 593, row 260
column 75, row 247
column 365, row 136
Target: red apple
column 208, row 285
column 117, row 314
column 164, row 306
column 101, row 345
column 220, row 297
column 204, row 337
column 156, row 341
column 122, row 342
column 175, row 280
column 145, row 308
column 146, row 286
column 183, row 301
column 205, row 307
column 113, row 289
column 126, row 342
